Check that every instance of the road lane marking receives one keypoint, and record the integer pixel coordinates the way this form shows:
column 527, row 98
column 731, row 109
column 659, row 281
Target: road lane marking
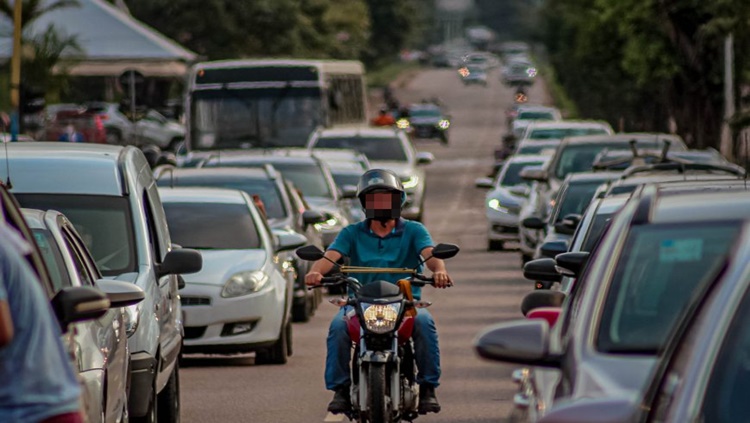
column 334, row 418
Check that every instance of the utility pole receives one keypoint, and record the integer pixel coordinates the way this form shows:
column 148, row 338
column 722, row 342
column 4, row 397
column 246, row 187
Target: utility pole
column 726, row 146
column 15, row 72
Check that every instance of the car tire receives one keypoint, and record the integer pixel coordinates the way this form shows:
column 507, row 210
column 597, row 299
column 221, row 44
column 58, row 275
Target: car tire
column 289, row 346
column 495, row 245
column 169, row 398
column 276, row 353
column 302, row 312
column 153, row 408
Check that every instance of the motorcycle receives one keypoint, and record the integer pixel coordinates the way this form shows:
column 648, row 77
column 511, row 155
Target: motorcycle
column 380, row 322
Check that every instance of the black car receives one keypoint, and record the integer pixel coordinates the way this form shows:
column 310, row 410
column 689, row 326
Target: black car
column 429, row 121
column 285, row 211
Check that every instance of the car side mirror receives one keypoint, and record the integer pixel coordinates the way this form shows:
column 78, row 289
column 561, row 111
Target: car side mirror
column 551, row 249
column 289, row 240
column 568, row 225
column 534, row 175
column 181, row 261
column 483, row 183
column 541, row 298
column 571, row 264
column 311, row 217
column 523, row 342
column 425, row 158
column 121, row 294
column 310, row 253
column 543, row 269
column 610, row 410
column 445, row 251
column 349, row 191
column 79, row 303
column 533, row 222
column 520, row 190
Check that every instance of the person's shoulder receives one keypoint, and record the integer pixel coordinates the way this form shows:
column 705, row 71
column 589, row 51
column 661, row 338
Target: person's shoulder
column 413, row 225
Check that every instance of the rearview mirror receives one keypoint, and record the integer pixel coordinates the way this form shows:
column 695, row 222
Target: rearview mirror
column 541, row 298
column 181, row 261
column 483, row 183
column 552, row 248
column 521, row 342
column 533, row 222
column 424, row 158
column 288, row 240
column 571, row 264
column 121, row 294
column 349, row 191
column 311, row 217
column 445, row 251
column 541, row 270
column 310, row 253
column 75, row 304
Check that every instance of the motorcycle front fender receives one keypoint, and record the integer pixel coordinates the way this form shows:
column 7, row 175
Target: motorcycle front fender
column 377, row 357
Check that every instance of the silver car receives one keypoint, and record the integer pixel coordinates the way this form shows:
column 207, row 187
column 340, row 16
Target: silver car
column 101, row 349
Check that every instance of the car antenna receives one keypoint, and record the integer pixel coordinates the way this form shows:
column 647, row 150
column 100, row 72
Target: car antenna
column 8, row 184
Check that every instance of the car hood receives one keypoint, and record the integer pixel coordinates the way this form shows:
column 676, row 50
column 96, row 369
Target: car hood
column 505, row 197
column 402, row 169
column 220, row 265
column 621, row 376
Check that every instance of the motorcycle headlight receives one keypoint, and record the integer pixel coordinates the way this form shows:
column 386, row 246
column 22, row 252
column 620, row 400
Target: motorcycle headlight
column 444, row 124
column 402, row 123
column 131, row 318
column 244, row 283
column 410, row 182
column 380, row 318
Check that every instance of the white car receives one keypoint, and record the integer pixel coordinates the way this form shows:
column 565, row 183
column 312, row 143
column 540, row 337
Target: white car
column 385, row 149
column 241, row 300
column 527, row 114
column 566, row 128
column 154, row 128
column 508, row 194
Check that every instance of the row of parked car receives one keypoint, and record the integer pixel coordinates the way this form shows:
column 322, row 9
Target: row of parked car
column 637, row 248
column 196, row 257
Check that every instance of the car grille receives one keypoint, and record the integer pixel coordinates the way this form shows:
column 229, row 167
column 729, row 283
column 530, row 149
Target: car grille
column 505, row 229
column 195, row 301
column 194, row 332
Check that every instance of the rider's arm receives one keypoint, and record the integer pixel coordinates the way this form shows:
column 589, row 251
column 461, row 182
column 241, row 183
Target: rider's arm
column 324, row 266
column 437, row 267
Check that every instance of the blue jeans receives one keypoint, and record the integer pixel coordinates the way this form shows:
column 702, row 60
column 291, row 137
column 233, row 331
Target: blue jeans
column 426, row 354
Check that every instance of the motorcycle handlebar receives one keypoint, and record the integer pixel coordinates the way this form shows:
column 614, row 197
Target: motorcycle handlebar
column 416, row 280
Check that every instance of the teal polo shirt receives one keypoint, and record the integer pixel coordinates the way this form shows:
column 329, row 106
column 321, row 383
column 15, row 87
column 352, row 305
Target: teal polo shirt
column 400, row 248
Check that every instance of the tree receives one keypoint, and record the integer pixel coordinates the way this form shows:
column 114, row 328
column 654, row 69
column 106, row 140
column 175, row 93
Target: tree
column 33, row 9
column 43, row 68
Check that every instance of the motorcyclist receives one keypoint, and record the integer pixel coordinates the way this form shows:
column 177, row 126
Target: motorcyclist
column 384, row 239
column 384, row 118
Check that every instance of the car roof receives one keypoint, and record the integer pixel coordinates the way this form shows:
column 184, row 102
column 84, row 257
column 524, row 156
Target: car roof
column 529, row 158
column 228, row 158
column 70, row 168
column 217, row 172
column 587, row 177
column 681, row 207
column 608, row 205
column 626, row 137
column 34, row 218
column 563, row 124
column 362, row 131
column 201, row 195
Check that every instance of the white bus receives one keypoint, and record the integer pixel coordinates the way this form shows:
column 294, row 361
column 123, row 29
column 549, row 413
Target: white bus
column 271, row 103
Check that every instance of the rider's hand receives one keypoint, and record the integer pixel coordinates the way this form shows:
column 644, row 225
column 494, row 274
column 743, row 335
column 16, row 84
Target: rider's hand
column 442, row 280
column 313, row 278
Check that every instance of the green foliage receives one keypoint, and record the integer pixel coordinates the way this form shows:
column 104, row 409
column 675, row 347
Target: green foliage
column 32, row 9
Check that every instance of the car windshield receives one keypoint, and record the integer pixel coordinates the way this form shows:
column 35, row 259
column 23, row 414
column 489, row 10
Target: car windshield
column 216, row 226
column 512, row 175
column 52, row 258
column 580, row 158
column 595, row 231
column 375, row 148
column 660, row 268
column 308, row 177
column 424, row 112
column 346, row 179
column 266, row 189
column 560, row 133
column 575, row 199
column 104, row 223
column 529, row 149
column 535, row 116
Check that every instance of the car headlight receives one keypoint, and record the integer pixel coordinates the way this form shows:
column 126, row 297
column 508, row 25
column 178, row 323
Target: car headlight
column 402, row 124
column 444, row 124
column 380, row 318
column 131, row 318
column 328, row 224
column 244, row 283
column 410, row 181
column 495, row 204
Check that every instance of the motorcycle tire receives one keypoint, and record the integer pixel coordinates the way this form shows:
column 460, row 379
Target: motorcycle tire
column 378, row 406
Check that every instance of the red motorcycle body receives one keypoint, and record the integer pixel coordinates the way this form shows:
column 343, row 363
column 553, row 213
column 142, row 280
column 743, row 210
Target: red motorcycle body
column 404, row 331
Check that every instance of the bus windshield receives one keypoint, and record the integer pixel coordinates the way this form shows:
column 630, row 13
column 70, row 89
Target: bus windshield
column 244, row 118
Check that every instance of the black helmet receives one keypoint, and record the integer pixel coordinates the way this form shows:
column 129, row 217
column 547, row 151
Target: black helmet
column 379, row 180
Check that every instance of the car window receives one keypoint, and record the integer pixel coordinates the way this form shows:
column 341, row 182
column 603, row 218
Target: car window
column 535, row 116
column 658, row 270
column 212, row 226
column 104, row 223
column 71, row 237
column 560, row 133
column 574, row 200
column 596, row 230
column 425, row 112
column 52, row 259
column 375, row 148
column 80, row 267
column 725, row 398
column 580, row 158
column 512, row 174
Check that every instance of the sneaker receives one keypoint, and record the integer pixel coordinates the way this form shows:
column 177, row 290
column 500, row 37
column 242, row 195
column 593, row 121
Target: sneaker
column 341, row 403
column 428, row 402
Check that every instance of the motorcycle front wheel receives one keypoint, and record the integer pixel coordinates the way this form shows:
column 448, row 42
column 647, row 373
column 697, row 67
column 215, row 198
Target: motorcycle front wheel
column 378, row 404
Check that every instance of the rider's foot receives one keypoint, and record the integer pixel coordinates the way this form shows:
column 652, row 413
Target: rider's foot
column 340, row 402
column 428, row 402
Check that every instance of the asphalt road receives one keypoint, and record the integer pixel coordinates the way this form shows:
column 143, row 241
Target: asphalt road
column 488, row 289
